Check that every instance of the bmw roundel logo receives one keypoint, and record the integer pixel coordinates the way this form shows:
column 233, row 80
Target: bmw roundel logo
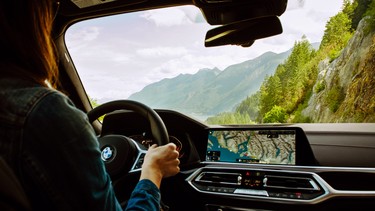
column 107, row 153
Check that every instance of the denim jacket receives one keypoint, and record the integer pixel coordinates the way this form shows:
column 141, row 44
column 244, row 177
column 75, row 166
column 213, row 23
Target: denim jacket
column 55, row 153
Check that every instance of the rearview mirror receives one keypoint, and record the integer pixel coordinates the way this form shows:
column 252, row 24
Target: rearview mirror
column 244, row 33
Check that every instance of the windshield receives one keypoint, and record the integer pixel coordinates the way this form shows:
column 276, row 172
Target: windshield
column 318, row 70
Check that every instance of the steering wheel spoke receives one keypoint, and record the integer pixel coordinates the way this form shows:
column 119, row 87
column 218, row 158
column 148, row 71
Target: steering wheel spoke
column 139, row 161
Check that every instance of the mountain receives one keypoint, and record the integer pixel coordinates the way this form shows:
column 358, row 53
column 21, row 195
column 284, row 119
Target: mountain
column 211, row 91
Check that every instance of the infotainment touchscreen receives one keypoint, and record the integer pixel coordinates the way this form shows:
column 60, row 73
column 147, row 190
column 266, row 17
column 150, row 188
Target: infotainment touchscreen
column 252, row 146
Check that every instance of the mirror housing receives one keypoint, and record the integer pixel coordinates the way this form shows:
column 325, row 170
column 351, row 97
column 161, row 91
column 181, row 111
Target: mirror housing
column 220, row 12
column 243, row 33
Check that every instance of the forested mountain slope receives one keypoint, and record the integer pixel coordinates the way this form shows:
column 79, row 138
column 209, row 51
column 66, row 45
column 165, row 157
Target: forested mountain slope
column 333, row 84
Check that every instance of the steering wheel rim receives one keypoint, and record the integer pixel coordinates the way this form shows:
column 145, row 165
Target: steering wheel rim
column 158, row 130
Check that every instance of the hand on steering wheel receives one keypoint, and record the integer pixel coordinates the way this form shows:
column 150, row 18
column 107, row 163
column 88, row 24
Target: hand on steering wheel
column 120, row 153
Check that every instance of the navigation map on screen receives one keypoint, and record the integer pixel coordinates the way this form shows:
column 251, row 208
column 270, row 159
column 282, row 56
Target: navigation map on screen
column 252, row 146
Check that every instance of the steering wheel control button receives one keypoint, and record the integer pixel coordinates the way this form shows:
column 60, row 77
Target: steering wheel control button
column 140, row 161
column 108, row 153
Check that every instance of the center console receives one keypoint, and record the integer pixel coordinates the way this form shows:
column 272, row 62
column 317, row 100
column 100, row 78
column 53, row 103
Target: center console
column 262, row 184
column 269, row 167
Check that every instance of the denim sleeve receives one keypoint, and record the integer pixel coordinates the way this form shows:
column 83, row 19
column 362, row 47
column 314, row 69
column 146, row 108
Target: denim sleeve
column 61, row 159
column 146, row 196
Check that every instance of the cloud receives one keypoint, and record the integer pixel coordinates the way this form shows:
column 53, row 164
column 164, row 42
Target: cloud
column 80, row 37
column 162, row 52
column 189, row 63
column 167, row 17
column 295, row 4
column 193, row 14
column 174, row 16
column 312, row 18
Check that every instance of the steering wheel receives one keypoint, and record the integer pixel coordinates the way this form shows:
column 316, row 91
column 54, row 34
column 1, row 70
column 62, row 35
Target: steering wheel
column 120, row 153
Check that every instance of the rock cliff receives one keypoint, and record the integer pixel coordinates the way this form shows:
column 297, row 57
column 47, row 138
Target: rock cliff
column 345, row 88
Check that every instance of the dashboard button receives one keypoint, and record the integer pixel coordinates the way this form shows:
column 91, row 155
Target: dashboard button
column 251, row 192
column 299, row 196
column 284, row 195
column 292, row 196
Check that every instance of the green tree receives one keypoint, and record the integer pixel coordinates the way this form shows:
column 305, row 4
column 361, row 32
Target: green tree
column 287, row 87
column 359, row 11
column 228, row 118
column 265, row 100
column 276, row 115
column 94, row 102
column 298, row 80
column 371, row 13
column 338, row 31
column 271, row 93
column 250, row 106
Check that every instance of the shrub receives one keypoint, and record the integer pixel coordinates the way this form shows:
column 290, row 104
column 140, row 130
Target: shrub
column 320, row 86
column 334, row 98
column 276, row 115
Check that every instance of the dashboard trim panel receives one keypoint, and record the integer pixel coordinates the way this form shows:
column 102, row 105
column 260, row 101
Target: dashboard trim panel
column 329, row 191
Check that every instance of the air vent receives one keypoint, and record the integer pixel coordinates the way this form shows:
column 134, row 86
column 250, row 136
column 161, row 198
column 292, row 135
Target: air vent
column 352, row 181
column 291, row 183
column 219, row 178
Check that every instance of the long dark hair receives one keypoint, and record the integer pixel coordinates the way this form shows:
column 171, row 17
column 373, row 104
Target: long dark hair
column 26, row 42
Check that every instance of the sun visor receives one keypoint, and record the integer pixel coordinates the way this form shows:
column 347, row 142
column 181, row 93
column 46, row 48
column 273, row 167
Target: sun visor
column 88, row 3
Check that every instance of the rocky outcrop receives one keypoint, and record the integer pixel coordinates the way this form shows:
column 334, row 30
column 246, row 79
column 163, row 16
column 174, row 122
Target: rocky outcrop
column 345, row 87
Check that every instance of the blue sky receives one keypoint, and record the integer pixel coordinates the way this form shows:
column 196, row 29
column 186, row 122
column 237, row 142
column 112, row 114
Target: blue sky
column 117, row 56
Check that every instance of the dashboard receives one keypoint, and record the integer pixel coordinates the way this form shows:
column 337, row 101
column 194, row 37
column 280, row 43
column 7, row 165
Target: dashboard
column 284, row 145
column 253, row 167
